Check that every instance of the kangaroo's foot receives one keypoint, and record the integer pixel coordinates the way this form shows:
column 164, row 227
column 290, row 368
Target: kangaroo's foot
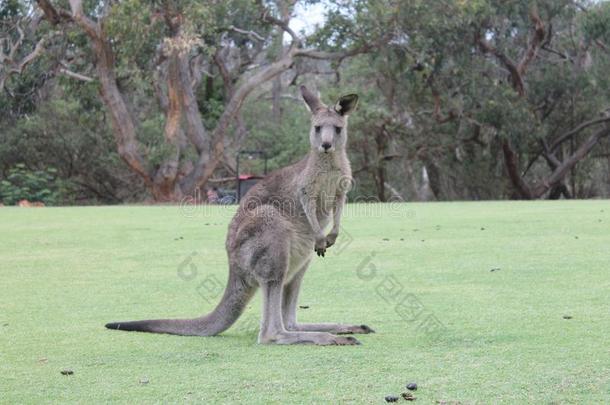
column 315, row 338
column 336, row 328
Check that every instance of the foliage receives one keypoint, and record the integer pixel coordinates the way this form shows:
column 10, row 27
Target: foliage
column 596, row 23
column 33, row 186
column 284, row 143
column 447, row 107
column 72, row 136
column 435, row 108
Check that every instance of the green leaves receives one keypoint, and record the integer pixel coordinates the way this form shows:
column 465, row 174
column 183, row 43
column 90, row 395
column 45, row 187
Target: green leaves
column 136, row 30
column 32, row 185
column 596, row 23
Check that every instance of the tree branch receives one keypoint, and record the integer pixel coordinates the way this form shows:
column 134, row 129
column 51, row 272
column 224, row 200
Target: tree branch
column 315, row 54
column 515, row 76
column 64, row 69
column 195, row 129
column 601, row 45
column 516, row 71
column 296, row 41
column 224, row 71
column 562, row 138
column 52, row 14
column 560, row 172
column 251, row 34
column 438, row 116
column 88, row 25
column 535, row 42
column 12, row 67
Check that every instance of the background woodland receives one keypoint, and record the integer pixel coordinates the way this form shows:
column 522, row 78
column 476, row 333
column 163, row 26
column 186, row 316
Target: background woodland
column 105, row 102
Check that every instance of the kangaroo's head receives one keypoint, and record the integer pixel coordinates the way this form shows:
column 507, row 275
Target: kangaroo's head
column 328, row 131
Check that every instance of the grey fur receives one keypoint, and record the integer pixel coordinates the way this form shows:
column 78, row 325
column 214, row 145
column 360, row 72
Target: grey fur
column 278, row 227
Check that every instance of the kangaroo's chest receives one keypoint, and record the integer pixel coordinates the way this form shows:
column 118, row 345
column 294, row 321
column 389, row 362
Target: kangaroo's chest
column 324, row 190
column 327, row 185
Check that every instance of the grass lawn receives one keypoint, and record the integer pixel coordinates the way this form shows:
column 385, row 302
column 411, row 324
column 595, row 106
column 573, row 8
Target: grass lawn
column 419, row 274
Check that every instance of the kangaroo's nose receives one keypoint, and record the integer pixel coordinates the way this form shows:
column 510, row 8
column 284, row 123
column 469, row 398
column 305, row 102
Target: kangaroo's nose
column 326, row 146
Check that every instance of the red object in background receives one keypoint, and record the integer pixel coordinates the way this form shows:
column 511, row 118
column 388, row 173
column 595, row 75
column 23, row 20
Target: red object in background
column 249, row 176
column 247, row 181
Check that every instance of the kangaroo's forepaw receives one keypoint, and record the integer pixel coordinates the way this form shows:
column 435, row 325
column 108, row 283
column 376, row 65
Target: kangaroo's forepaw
column 320, row 245
column 331, row 239
column 321, row 251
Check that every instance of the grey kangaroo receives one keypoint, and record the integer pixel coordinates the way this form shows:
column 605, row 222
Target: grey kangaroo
column 278, row 228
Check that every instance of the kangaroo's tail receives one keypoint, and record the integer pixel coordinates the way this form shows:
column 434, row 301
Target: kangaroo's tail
column 233, row 302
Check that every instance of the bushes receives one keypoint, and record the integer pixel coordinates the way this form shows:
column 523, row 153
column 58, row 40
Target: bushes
column 34, row 186
column 74, row 140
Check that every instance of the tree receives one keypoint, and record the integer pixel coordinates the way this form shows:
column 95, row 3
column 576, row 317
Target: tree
column 473, row 91
column 190, row 40
column 483, row 99
column 541, row 38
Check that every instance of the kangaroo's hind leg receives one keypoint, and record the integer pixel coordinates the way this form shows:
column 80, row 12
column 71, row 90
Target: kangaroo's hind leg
column 289, row 311
column 272, row 326
column 270, row 269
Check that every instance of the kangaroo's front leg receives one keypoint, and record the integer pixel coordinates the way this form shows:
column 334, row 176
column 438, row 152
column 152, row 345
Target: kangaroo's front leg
column 308, row 202
column 337, row 212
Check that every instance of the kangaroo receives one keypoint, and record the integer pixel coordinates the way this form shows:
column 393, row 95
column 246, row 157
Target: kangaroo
column 278, row 228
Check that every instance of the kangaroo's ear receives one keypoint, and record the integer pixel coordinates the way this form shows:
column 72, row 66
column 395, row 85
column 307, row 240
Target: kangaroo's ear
column 347, row 104
column 312, row 101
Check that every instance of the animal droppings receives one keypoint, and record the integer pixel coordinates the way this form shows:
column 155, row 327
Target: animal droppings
column 412, row 386
column 408, row 396
column 391, row 398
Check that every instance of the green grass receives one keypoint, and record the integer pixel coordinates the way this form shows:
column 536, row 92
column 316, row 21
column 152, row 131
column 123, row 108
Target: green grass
column 67, row 271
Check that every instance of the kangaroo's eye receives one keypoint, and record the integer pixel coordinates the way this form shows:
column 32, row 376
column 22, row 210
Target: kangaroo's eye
column 338, row 130
column 317, row 127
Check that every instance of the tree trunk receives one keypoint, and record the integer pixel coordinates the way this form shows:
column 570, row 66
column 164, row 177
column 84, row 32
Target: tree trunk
column 434, row 177
column 380, row 177
column 124, row 128
column 411, row 183
column 511, row 161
